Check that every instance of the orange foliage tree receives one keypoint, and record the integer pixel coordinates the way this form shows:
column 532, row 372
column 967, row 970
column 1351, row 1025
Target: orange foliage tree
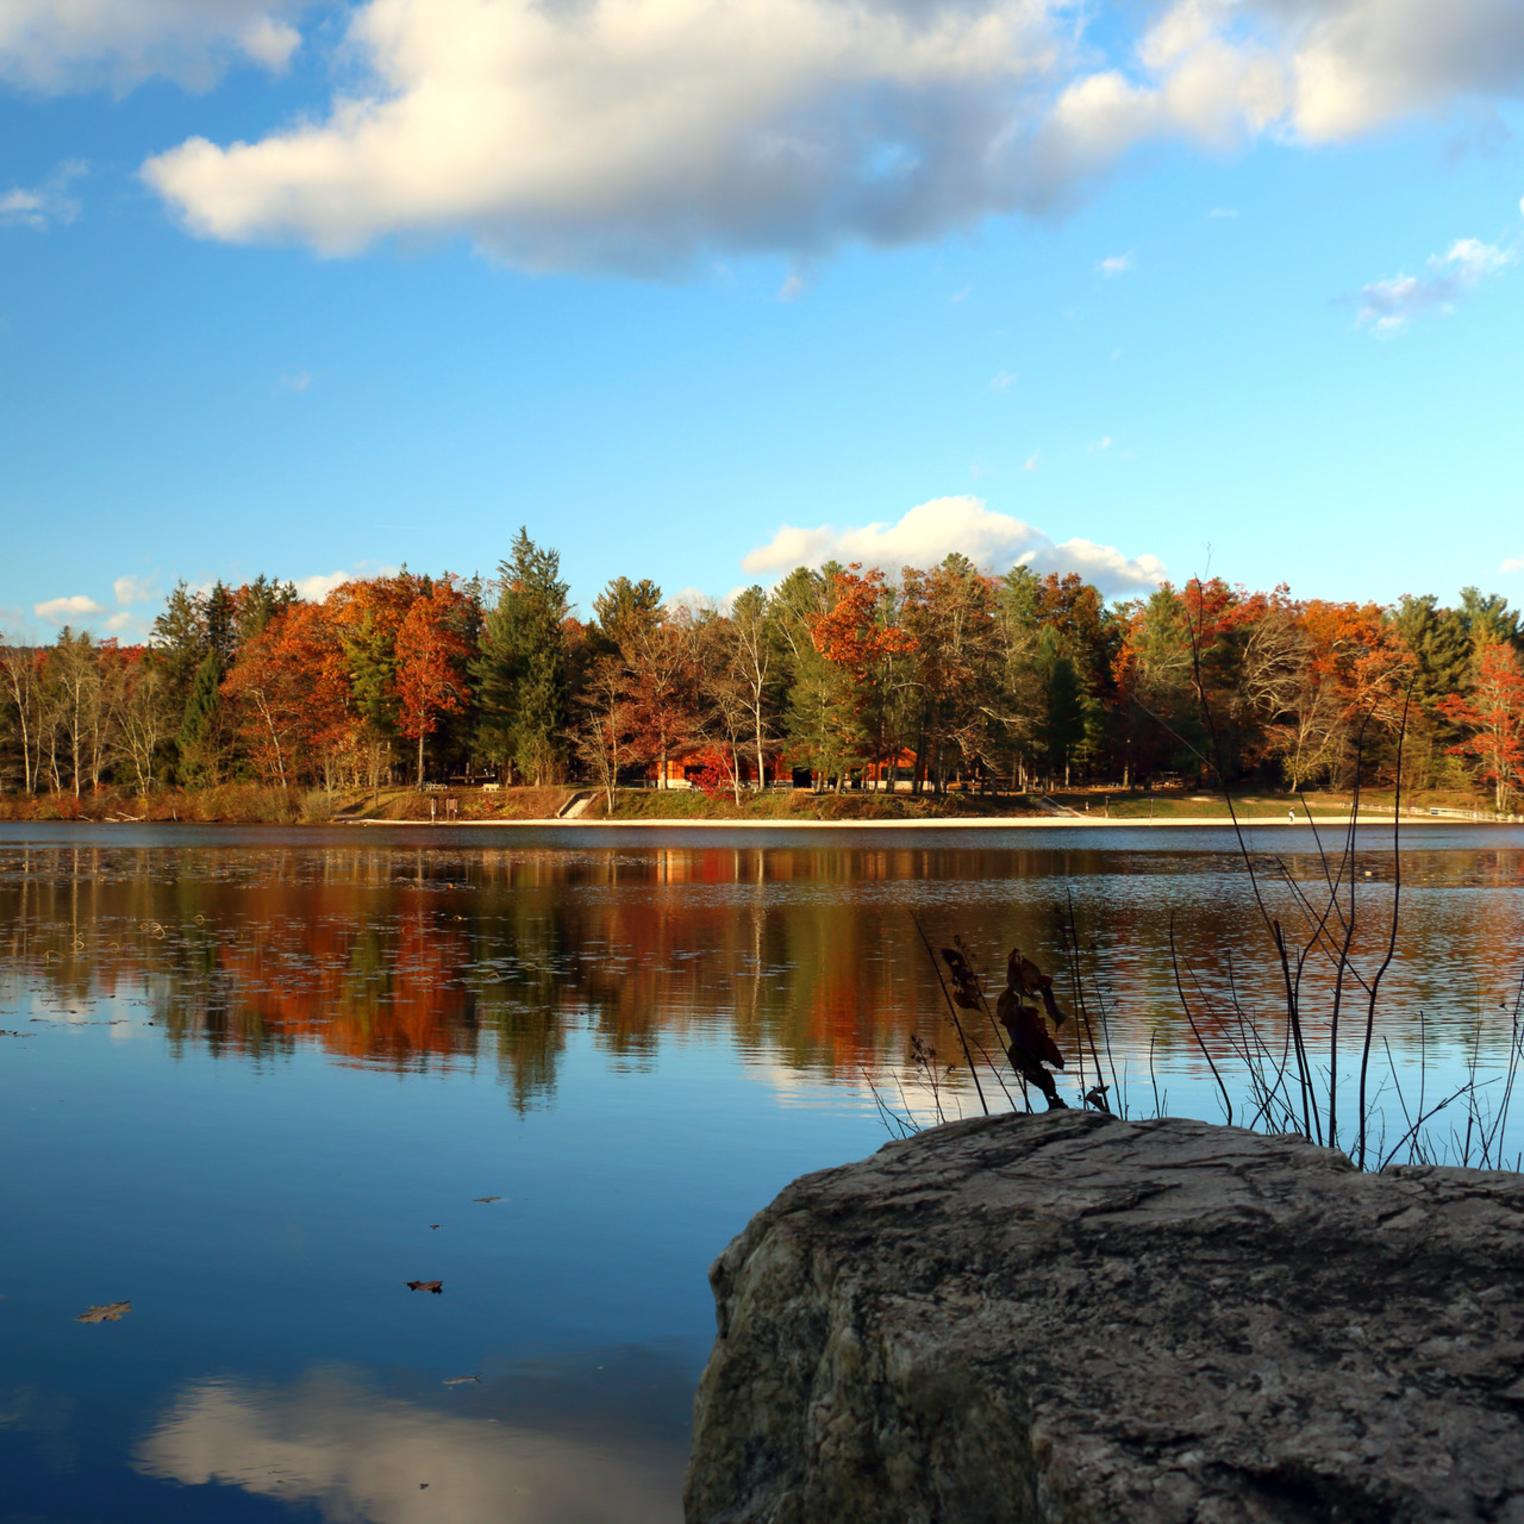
column 431, row 657
column 860, row 636
column 289, row 691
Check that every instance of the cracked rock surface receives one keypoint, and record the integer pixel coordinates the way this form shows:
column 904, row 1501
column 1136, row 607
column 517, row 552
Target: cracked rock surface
column 1075, row 1319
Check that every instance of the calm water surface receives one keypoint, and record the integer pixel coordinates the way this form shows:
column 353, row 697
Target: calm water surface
column 254, row 1080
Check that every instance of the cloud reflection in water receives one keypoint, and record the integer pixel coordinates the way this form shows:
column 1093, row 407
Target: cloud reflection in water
column 334, row 1441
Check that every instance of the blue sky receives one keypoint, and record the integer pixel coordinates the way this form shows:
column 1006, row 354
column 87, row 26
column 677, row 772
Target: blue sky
column 1147, row 291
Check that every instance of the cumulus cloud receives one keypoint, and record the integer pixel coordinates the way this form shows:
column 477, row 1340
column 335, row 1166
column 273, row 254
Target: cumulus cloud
column 1388, row 306
column 317, row 587
column 625, row 134
column 622, row 133
column 1114, row 265
column 1513, row 564
column 928, row 532
column 72, row 606
column 58, row 45
column 132, row 589
column 42, row 206
column 121, row 620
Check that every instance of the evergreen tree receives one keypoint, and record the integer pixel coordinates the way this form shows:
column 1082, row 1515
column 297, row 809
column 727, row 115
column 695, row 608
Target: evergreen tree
column 1064, row 720
column 521, row 673
column 221, row 615
column 179, row 642
column 626, row 610
column 258, row 603
column 201, row 730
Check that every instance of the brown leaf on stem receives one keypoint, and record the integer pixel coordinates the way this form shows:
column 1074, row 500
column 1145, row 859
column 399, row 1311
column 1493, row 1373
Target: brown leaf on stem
column 1024, row 976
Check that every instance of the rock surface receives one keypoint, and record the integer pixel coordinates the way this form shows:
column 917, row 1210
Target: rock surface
column 1072, row 1318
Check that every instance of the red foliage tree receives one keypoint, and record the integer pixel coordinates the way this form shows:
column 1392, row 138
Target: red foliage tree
column 1494, row 715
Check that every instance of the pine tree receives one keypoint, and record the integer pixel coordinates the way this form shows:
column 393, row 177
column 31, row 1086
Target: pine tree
column 201, row 746
column 522, row 669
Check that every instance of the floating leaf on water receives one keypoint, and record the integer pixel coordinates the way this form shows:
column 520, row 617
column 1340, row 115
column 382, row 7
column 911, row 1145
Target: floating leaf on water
column 486, row 1200
column 109, row 1312
column 462, row 1380
column 432, row 1226
column 435, row 1286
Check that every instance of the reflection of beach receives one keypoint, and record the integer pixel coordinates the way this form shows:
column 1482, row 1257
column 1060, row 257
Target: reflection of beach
column 331, row 1441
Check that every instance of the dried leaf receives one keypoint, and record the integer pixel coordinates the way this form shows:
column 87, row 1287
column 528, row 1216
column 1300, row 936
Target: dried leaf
column 1026, row 978
column 435, row 1286
column 486, row 1200
column 109, row 1312
column 1031, row 1045
column 965, row 984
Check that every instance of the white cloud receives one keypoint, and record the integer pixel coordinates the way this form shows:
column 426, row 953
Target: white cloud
column 1002, row 381
column 630, row 134
column 696, row 601
column 317, row 587
column 42, row 206
column 792, row 288
column 1223, row 214
column 133, row 589
column 1360, row 64
column 298, row 381
column 1114, row 265
column 1513, row 564
column 121, row 620
column 1031, row 462
column 57, row 45
column 270, row 42
column 1101, row 445
column 1388, row 306
column 73, row 606
column 927, row 533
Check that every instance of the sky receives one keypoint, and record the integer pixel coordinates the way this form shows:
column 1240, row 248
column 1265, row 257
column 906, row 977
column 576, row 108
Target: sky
column 700, row 290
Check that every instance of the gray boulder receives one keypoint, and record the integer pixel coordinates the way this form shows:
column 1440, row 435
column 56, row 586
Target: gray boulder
column 1072, row 1318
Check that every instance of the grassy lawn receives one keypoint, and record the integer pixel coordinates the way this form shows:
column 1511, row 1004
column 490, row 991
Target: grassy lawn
column 799, row 804
column 1116, row 804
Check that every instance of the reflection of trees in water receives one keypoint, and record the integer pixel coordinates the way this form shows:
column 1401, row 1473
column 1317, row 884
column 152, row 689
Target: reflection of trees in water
column 405, row 957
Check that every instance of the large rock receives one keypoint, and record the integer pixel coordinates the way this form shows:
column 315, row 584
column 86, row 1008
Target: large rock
column 1072, row 1318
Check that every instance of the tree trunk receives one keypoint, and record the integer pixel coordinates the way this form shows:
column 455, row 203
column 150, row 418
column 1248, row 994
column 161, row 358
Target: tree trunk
column 420, row 756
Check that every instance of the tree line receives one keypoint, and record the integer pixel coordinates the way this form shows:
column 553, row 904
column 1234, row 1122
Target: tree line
column 840, row 676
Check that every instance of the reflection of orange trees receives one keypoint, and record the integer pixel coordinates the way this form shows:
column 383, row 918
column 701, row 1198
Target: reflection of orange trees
column 805, row 958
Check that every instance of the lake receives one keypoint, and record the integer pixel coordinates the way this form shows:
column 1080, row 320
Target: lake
column 255, row 1080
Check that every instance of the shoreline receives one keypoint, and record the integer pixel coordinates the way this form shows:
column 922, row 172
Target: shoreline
column 960, row 823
